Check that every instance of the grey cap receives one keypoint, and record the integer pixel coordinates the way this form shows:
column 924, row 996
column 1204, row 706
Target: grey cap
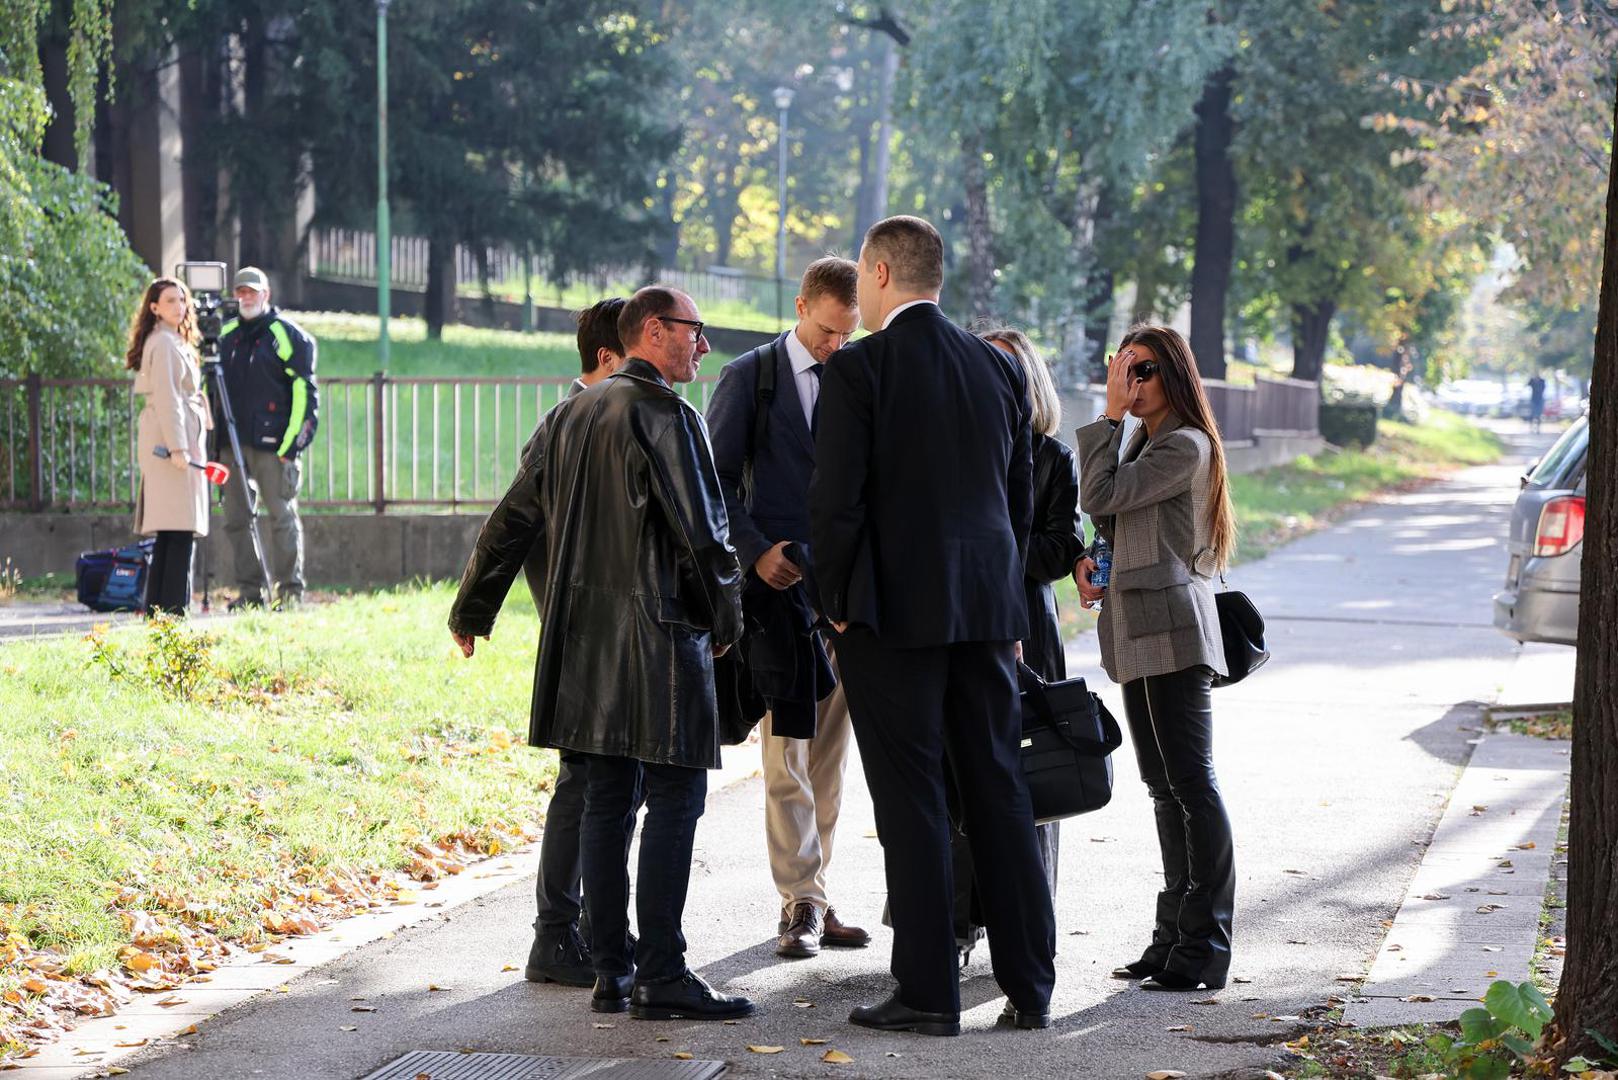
column 252, row 277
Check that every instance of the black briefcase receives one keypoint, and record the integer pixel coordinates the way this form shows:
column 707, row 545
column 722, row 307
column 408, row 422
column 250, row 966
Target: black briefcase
column 1068, row 737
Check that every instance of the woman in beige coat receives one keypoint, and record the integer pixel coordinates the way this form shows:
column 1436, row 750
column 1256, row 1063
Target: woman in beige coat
column 173, row 499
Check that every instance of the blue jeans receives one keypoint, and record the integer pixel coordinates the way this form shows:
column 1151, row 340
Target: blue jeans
column 675, row 798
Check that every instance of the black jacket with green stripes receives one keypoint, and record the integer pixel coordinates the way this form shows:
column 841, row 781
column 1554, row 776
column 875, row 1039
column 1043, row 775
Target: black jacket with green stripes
column 269, row 369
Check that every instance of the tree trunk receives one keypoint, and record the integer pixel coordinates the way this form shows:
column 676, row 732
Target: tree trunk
column 58, row 146
column 1588, row 997
column 1311, row 328
column 875, row 205
column 864, row 149
column 439, row 304
column 201, row 89
column 254, row 200
column 1216, row 223
column 979, row 234
column 722, row 207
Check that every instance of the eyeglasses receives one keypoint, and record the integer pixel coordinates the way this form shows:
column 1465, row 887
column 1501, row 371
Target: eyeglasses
column 1143, row 371
column 695, row 326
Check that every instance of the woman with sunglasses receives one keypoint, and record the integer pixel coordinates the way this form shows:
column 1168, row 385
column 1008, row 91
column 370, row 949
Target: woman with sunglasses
column 173, row 498
column 1162, row 501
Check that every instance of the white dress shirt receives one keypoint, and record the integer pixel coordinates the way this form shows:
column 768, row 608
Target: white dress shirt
column 894, row 314
column 803, row 363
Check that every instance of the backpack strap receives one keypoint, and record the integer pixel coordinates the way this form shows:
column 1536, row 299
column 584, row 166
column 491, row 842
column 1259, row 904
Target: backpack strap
column 763, row 395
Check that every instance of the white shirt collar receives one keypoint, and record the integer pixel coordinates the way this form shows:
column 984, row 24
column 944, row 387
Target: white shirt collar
column 894, row 314
column 798, row 353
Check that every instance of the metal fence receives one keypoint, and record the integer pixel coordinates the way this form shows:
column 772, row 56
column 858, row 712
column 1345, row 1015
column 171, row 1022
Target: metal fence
column 350, row 255
column 383, row 443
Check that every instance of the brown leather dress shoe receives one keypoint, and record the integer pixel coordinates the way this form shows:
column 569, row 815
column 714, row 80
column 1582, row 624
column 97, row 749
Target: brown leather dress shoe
column 840, row 935
column 801, row 939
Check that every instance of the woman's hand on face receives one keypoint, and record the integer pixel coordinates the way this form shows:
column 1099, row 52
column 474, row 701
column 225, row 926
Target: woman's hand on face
column 1082, row 570
column 1122, row 390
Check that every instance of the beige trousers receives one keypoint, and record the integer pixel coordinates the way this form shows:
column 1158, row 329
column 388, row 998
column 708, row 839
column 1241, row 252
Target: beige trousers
column 803, row 792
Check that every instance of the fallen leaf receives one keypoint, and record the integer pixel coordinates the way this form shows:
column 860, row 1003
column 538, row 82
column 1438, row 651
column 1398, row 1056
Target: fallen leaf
column 509, row 967
column 1295, row 941
column 131, row 1045
column 600, row 1026
column 348, row 1027
column 765, row 1049
column 192, row 1030
column 813, row 1042
column 836, row 1057
column 1491, row 948
column 1241, row 979
column 1206, row 1001
column 170, row 1002
column 682, row 1055
column 363, row 1008
column 661, row 1038
column 1476, row 810
column 1435, row 896
column 800, row 1003
column 730, row 1023
column 1528, row 846
column 115, row 1070
column 1180, row 1027
column 434, row 988
column 1417, row 997
column 1504, row 864
column 1348, row 978
column 1484, row 909
column 1165, row 1074
column 1491, row 974
column 1300, row 872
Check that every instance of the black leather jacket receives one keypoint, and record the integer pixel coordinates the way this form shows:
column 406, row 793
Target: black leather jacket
column 1054, row 545
column 619, row 489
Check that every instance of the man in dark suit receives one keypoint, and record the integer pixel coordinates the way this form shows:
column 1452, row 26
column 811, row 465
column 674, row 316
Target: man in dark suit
column 920, row 511
column 762, row 420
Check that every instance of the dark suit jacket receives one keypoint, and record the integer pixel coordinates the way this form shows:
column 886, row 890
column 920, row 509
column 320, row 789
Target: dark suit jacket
column 766, row 504
column 922, row 498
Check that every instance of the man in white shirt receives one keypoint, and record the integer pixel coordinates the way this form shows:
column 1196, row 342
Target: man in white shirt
column 762, row 421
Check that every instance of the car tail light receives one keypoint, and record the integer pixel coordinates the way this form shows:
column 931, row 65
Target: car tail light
column 1561, row 525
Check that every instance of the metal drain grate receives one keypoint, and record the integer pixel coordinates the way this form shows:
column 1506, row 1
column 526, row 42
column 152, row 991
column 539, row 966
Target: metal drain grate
column 452, row 1065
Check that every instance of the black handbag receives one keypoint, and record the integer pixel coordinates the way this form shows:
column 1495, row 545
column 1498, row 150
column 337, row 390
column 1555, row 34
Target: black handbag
column 1242, row 628
column 1068, row 737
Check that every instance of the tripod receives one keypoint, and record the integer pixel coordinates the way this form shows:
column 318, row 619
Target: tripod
column 216, row 392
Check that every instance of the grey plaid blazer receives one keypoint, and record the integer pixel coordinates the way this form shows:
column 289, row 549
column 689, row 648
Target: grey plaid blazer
column 1150, row 501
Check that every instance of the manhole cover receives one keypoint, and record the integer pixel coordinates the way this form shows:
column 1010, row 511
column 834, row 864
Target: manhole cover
column 452, row 1065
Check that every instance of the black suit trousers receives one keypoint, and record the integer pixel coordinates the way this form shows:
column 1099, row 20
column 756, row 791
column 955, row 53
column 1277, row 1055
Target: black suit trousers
column 908, row 707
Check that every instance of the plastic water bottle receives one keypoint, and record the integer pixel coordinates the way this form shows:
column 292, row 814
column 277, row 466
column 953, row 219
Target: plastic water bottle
column 1101, row 576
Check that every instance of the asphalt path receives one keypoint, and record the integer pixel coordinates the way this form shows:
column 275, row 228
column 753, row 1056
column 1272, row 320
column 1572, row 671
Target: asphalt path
column 1336, row 762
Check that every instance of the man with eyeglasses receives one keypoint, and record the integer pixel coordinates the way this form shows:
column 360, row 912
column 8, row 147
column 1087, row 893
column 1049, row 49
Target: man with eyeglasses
column 620, row 491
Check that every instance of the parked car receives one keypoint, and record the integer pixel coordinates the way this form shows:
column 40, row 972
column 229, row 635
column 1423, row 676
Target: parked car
column 1541, row 599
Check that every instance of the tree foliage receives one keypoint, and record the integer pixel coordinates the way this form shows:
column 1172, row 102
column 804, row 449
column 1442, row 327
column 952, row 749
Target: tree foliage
column 67, row 276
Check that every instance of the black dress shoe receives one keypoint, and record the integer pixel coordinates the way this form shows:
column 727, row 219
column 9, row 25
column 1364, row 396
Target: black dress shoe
column 893, row 1015
column 1173, row 980
column 611, row 994
column 1027, row 1021
column 686, row 998
column 560, row 958
column 1140, row 969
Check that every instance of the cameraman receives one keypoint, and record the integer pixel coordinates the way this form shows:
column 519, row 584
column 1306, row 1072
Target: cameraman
column 268, row 364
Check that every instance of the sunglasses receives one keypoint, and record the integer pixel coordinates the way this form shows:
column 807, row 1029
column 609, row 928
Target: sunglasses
column 1143, row 371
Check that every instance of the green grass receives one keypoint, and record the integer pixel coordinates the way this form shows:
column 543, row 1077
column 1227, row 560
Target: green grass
column 755, row 313
column 348, row 348
column 321, row 744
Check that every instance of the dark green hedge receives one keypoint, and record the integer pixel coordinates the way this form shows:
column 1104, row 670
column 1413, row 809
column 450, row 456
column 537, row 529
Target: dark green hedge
column 1348, row 424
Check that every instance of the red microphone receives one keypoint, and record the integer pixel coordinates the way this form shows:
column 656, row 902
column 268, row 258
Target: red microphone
column 216, row 472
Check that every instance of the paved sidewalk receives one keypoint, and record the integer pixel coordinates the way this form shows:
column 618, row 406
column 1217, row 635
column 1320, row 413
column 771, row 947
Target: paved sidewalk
column 1471, row 914
column 1337, row 761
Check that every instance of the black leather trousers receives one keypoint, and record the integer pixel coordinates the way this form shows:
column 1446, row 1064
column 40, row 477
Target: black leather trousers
column 1171, row 724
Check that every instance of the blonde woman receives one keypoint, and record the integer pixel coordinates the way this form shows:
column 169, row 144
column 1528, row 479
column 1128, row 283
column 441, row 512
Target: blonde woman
column 1057, row 539
column 173, row 500
column 1163, row 503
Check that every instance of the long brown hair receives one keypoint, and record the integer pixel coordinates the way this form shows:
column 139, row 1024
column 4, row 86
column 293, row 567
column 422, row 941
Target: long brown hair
column 141, row 326
column 1177, row 367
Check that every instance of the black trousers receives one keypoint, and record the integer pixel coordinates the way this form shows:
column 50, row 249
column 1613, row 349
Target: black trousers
column 168, row 580
column 559, row 886
column 674, row 801
column 1171, row 724
column 908, row 706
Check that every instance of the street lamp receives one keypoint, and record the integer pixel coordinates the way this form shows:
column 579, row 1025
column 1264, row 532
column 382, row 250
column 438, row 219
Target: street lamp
column 384, row 230
column 783, row 103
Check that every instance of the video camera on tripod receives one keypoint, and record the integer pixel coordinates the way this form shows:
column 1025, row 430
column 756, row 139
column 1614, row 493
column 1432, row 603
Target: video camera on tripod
column 208, row 283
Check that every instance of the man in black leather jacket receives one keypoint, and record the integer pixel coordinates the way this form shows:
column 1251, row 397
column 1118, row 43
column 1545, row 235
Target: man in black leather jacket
column 643, row 591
